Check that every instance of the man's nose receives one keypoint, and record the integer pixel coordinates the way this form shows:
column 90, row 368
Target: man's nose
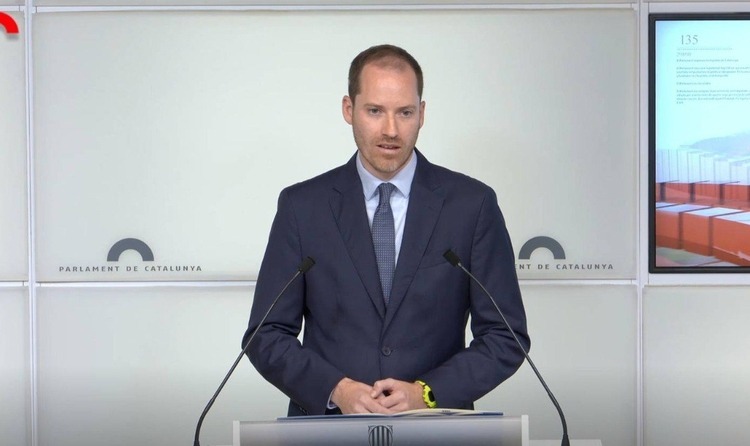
column 389, row 127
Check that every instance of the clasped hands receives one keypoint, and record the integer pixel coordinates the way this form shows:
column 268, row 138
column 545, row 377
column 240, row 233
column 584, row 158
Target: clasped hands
column 387, row 396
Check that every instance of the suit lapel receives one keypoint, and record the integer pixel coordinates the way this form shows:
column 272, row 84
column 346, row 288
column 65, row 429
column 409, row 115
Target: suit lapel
column 348, row 206
column 425, row 203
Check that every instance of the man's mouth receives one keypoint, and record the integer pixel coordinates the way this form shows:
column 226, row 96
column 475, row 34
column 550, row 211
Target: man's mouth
column 388, row 146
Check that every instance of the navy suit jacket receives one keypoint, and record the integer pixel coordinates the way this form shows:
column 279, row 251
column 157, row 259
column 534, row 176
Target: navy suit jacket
column 348, row 330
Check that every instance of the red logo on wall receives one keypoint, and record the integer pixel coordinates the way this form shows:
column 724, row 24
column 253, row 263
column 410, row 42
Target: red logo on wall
column 10, row 25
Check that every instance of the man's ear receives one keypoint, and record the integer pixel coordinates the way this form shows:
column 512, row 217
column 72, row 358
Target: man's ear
column 347, row 109
column 421, row 114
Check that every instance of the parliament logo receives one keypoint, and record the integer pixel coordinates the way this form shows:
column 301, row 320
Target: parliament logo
column 542, row 242
column 130, row 243
column 381, row 435
column 147, row 263
column 552, row 246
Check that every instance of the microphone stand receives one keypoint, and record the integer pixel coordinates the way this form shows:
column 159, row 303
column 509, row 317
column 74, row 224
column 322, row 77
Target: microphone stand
column 454, row 260
column 303, row 268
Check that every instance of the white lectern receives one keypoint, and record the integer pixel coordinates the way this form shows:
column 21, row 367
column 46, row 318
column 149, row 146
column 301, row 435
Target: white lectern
column 478, row 429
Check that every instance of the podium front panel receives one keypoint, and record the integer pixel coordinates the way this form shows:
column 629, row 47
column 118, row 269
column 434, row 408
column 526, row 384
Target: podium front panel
column 477, row 430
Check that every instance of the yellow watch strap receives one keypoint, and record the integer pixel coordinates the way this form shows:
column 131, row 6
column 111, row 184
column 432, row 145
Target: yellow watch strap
column 427, row 395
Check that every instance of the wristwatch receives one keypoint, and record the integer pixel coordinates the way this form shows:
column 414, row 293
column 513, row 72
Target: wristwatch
column 427, row 395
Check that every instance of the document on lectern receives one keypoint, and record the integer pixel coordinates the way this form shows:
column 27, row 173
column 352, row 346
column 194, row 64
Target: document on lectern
column 404, row 414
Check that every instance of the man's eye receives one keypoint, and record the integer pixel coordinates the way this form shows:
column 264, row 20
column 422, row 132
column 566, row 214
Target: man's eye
column 373, row 111
column 407, row 113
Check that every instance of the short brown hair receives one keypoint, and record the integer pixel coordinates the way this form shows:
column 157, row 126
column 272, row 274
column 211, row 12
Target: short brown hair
column 388, row 55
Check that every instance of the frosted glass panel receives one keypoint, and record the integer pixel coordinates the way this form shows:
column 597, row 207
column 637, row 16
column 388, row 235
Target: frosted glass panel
column 583, row 341
column 13, row 201
column 542, row 108
column 696, row 362
column 14, row 367
column 179, row 129
column 137, row 365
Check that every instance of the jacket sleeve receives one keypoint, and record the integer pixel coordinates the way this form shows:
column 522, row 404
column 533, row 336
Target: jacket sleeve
column 493, row 355
column 276, row 352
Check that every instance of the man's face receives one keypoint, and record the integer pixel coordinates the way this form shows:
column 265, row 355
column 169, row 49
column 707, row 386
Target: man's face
column 386, row 117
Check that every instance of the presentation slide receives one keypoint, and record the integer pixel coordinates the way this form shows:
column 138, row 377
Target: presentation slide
column 701, row 101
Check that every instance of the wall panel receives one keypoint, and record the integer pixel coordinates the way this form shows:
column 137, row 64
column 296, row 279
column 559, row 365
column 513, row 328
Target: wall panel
column 111, row 359
column 180, row 128
column 583, row 341
column 123, row 366
column 695, row 347
column 14, row 365
column 13, row 199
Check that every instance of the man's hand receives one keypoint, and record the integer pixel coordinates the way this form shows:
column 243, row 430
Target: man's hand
column 355, row 397
column 398, row 396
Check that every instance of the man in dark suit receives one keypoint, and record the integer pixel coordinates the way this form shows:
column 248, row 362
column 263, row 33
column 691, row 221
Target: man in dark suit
column 384, row 313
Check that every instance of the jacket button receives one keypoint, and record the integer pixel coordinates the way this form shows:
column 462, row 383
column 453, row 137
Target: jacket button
column 386, row 351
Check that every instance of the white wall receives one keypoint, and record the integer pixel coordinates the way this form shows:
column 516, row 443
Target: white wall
column 14, row 369
column 695, row 346
column 177, row 126
column 194, row 124
column 584, row 344
column 13, row 178
column 122, row 366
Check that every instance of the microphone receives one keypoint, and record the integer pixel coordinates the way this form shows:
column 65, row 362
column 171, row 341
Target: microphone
column 453, row 259
column 301, row 269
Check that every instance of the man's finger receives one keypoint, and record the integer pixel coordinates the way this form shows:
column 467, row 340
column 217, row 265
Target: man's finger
column 382, row 387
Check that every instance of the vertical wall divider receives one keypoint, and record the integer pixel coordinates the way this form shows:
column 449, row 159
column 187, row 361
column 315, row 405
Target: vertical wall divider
column 33, row 388
column 641, row 236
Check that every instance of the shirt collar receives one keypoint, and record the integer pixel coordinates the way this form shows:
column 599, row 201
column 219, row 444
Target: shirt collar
column 402, row 180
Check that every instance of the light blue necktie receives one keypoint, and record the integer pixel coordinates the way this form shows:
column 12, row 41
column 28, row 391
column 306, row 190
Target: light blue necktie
column 384, row 239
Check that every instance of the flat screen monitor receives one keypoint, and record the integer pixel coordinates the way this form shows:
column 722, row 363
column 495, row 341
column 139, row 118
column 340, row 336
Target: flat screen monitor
column 699, row 143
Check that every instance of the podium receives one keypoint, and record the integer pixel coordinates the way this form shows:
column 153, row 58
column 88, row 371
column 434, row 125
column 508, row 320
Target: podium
column 477, row 429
